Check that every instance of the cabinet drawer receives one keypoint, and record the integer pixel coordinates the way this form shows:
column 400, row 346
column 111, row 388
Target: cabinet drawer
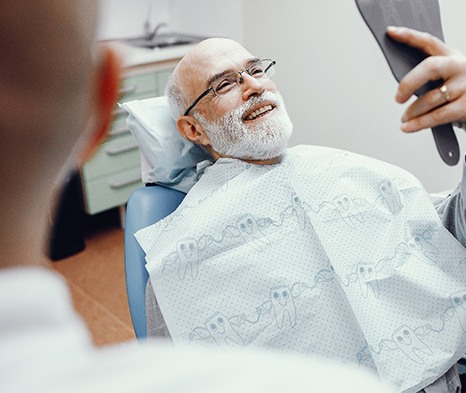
column 136, row 85
column 118, row 126
column 113, row 156
column 110, row 191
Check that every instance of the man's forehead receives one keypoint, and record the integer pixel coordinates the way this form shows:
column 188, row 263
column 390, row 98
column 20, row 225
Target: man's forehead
column 214, row 56
column 218, row 47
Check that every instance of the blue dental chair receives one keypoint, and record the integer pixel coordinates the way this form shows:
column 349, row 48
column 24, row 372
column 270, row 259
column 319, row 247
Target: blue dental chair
column 168, row 158
column 146, row 206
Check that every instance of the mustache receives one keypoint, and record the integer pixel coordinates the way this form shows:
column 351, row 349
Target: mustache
column 267, row 96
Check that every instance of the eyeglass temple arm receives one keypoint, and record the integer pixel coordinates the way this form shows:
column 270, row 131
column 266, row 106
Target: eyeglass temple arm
column 272, row 63
column 197, row 100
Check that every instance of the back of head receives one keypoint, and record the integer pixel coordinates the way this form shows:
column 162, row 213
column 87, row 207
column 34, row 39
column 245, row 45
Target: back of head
column 46, row 73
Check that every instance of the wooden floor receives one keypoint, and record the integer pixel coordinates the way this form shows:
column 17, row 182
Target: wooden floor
column 97, row 281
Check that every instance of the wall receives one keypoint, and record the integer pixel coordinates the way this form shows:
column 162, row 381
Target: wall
column 125, row 18
column 222, row 18
column 337, row 86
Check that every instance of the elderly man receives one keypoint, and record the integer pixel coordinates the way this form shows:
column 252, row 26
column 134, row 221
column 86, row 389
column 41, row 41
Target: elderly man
column 56, row 98
column 309, row 249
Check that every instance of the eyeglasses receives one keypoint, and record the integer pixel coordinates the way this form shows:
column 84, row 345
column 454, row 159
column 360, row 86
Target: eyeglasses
column 225, row 83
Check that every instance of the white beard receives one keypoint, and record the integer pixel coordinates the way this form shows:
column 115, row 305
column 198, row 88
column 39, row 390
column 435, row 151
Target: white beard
column 262, row 140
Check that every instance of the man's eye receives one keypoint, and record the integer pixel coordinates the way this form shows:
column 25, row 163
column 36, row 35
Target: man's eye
column 256, row 71
column 224, row 85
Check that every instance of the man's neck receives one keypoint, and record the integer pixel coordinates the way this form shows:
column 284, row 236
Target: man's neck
column 270, row 161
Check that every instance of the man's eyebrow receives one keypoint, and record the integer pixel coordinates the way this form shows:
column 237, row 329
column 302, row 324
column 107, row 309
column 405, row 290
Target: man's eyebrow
column 229, row 71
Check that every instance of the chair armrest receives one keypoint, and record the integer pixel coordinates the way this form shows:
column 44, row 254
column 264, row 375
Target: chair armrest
column 146, row 206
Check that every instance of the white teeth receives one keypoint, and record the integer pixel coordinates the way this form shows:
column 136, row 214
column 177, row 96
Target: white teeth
column 259, row 111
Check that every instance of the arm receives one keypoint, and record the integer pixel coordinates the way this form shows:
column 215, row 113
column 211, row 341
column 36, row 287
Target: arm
column 452, row 210
column 433, row 108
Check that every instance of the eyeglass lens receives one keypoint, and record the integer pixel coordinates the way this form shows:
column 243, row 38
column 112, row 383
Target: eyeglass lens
column 258, row 69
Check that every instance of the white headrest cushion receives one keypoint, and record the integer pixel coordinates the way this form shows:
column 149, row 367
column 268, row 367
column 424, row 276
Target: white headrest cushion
column 166, row 157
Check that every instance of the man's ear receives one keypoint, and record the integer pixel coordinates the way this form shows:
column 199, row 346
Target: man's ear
column 192, row 130
column 106, row 87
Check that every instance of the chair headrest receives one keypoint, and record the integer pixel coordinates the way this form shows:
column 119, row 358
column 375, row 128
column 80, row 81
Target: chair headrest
column 166, row 157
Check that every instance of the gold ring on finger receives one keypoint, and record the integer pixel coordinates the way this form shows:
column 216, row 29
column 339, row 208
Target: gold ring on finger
column 445, row 93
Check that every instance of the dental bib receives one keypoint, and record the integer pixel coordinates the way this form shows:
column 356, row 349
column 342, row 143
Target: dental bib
column 328, row 253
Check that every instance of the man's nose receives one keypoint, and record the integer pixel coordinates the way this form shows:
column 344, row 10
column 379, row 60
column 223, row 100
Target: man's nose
column 251, row 86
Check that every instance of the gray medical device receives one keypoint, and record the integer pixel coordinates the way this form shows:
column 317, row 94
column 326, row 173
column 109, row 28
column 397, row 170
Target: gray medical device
column 422, row 15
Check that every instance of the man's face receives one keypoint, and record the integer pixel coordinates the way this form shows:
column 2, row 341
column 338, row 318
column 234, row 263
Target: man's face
column 260, row 139
column 250, row 121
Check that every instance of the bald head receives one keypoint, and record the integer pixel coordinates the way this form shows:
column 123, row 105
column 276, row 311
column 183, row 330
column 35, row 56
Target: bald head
column 190, row 76
column 203, row 56
column 46, row 55
column 46, row 58
column 49, row 73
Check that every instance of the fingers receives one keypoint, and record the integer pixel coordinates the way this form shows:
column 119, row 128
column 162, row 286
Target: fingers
column 427, row 103
column 436, row 106
column 441, row 115
column 442, row 105
column 426, row 42
column 431, row 69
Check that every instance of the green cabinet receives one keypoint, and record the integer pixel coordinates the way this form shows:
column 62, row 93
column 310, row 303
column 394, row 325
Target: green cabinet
column 114, row 172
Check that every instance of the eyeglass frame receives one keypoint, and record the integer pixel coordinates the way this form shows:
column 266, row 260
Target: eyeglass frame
column 201, row 96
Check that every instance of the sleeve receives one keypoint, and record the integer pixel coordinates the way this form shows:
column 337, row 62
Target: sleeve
column 452, row 210
column 156, row 325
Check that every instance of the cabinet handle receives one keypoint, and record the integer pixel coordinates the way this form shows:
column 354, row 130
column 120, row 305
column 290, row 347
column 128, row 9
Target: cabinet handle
column 111, row 151
column 119, row 131
column 127, row 90
column 118, row 112
column 125, row 182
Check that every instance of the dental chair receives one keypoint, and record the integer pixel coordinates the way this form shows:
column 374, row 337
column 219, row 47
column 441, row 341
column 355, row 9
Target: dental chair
column 146, row 206
column 169, row 168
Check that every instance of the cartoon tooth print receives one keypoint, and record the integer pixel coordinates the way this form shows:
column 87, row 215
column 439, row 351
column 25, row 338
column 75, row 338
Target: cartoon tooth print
column 188, row 257
column 391, row 196
column 222, row 332
column 251, row 233
column 410, row 344
column 419, row 247
column 283, row 305
column 364, row 354
column 298, row 208
column 458, row 301
column 367, row 277
column 348, row 210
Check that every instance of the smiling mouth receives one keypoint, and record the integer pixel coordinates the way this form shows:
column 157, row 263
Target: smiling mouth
column 259, row 112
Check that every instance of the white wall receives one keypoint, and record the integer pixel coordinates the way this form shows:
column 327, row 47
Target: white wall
column 125, row 18
column 222, row 18
column 338, row 88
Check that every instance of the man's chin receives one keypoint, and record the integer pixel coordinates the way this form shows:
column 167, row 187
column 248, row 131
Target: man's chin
column 265, row 153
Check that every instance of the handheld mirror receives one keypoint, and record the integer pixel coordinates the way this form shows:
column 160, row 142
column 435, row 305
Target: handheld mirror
column 422, row 15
